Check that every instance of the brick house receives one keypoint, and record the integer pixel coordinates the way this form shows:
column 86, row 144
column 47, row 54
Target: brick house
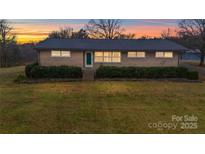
column 91, row 53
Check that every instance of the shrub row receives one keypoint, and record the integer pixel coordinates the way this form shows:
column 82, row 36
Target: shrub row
column 36, row 71
column 29, row 68
column 145, row 72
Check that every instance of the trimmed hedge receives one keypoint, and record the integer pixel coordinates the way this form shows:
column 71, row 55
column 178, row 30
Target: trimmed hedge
column 36, row 71
column 193, row 75
column 145, row 72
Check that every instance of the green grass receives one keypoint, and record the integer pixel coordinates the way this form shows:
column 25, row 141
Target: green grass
column 96, row 107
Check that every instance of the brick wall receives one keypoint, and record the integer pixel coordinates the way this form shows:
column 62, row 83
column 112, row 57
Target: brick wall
column 77, row 59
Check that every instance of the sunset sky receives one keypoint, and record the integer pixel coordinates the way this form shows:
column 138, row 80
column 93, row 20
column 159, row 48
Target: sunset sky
column 33, row 30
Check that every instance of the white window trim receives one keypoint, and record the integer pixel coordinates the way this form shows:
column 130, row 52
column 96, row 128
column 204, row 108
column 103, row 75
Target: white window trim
column 61, row 54
column 136, row 54
column 111, row 57
column 164, row 54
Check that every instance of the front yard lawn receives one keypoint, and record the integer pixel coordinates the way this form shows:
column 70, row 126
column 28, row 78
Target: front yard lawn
column 98, row 106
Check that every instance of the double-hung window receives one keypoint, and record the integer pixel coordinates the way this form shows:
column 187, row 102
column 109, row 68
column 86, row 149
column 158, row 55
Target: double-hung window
column 60, row 53
column 108, row 56
column 166, row 54
column 136, row 54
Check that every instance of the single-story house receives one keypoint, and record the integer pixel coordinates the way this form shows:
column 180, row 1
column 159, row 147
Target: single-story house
column 91, row 53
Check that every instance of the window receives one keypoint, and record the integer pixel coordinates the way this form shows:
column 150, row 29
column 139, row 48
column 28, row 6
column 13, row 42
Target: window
column 98, row 56
column 167, row 54
column 132, row 54
column 55, row 53
column 141, row 54
column 159, row 54
column 116, row 57
column 58, row 53
column 65, row 53
column 107, row 57
column 138, row 54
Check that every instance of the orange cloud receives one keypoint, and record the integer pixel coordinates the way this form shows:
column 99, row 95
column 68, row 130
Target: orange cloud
column 151, row 31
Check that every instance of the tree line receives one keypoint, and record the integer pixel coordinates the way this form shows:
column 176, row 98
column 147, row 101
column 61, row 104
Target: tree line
column 11, row 53
column 190, row 33
column 95, row 29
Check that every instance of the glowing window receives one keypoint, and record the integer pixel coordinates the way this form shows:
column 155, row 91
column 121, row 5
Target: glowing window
column 58, row 53
column 55, row 53
column 159, row 54
column 98, row 56
column 116, row 57
column 107, row 56
column 132, row 54
column 138, row 54
column 141, row 54
column 65, row 53
column 167, row 54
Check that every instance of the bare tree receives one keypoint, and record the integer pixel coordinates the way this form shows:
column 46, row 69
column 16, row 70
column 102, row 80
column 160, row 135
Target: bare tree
column 193, row 32
column 68, row 32
column 81, row 34
column 166, row 34
column 6, row 38
column 65, row 32
column 104, row 28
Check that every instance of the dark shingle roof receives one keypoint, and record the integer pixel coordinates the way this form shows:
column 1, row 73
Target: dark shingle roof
column 105, row 44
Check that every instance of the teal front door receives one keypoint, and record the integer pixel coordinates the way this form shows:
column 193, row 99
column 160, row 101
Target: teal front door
column 88, row 59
